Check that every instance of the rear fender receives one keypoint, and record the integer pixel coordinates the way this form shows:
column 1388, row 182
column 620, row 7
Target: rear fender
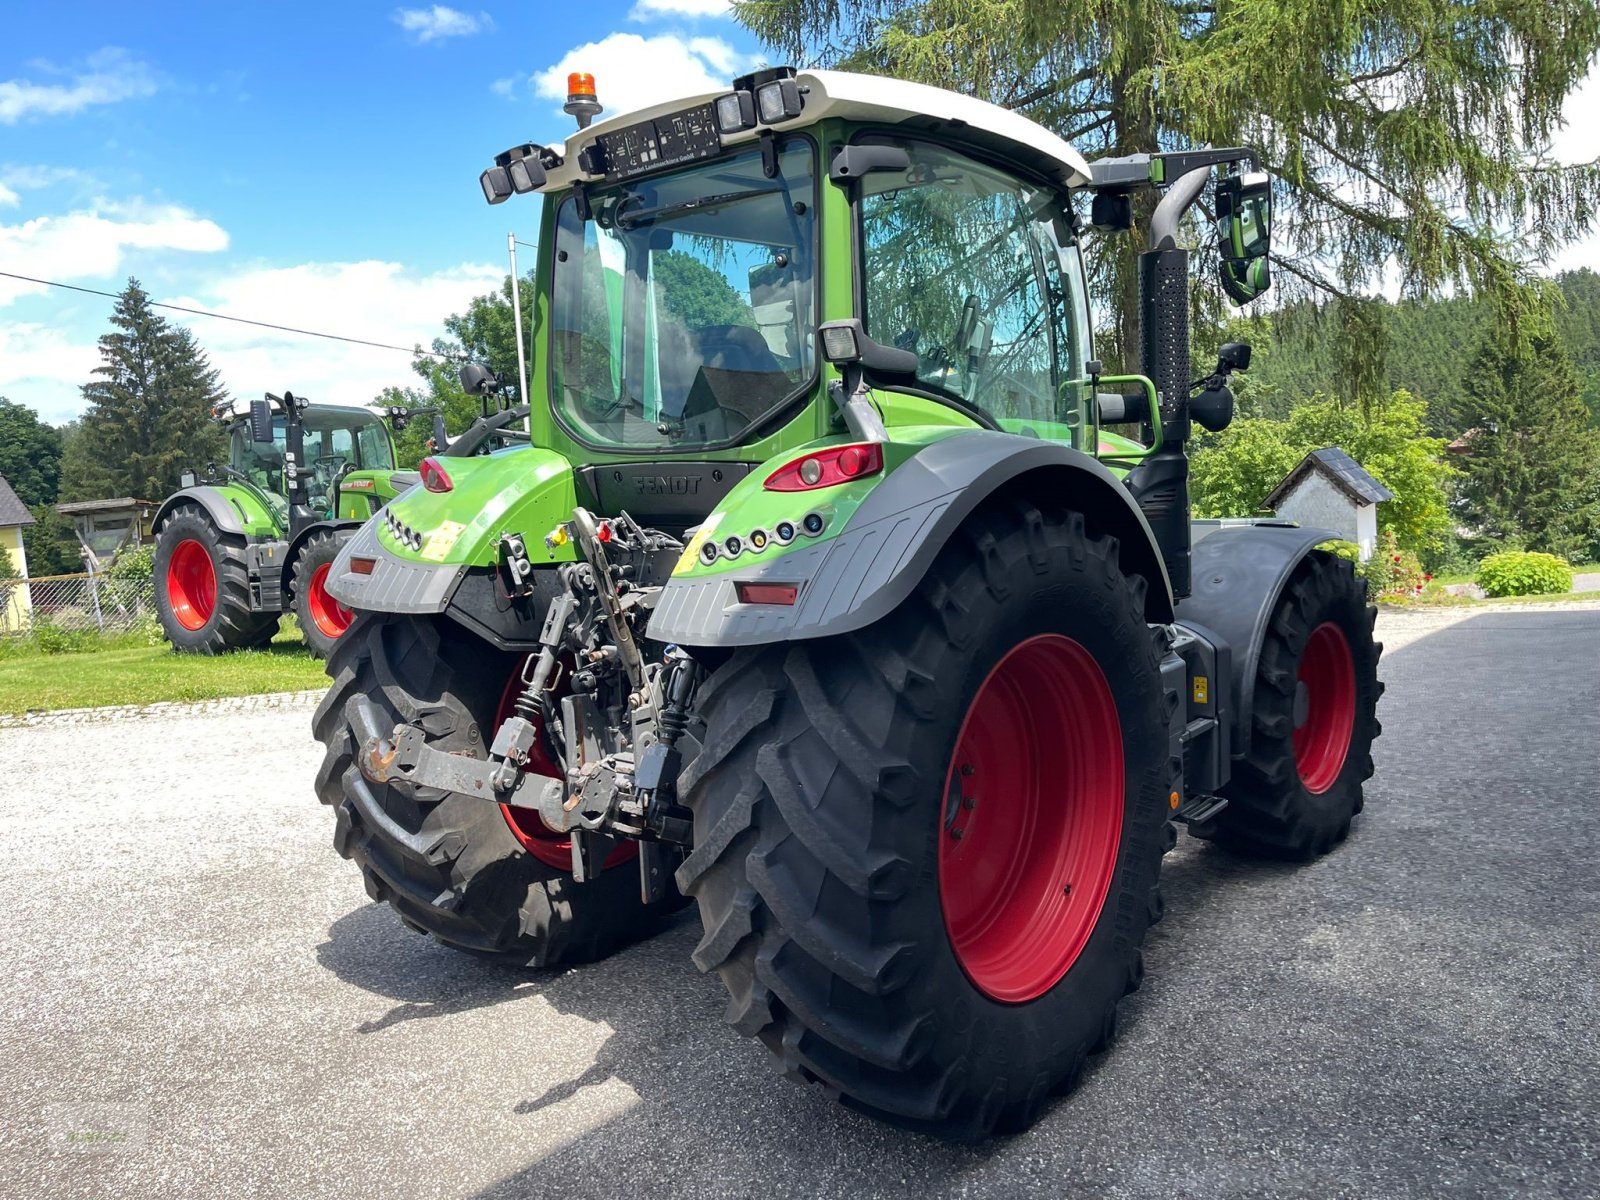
column 888, row 539
column 1240, row 570
column 526, row 491
column 231, row 509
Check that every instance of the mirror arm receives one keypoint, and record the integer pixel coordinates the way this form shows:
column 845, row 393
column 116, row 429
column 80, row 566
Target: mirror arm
column 1164, row 221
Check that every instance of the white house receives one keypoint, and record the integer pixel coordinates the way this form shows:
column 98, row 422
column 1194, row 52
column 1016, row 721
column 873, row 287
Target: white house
column 1331, row 490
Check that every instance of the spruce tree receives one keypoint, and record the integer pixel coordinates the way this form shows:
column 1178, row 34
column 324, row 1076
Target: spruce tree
column 1532, row 466
column 149, row 409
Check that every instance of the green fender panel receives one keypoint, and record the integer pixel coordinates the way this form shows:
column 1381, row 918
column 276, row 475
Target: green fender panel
column 424, row 542
column 879, row 535
column 233, row 509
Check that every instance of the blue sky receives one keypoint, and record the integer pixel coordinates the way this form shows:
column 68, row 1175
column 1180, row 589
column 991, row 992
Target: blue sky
column 314, row 165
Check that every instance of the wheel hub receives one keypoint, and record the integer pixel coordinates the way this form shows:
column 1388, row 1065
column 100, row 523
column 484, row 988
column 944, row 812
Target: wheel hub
column 1032, row 818
column 1327, row 680
column 191, row 584
column 329, row 616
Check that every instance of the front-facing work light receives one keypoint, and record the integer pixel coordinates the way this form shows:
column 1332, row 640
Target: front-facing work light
column 496, row 183
column 735, row 111
column 778, row 100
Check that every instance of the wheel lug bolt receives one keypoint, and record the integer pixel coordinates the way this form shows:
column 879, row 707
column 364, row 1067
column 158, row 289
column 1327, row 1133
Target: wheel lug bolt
column 968, row 769
column 957, row 834
column 969, row 802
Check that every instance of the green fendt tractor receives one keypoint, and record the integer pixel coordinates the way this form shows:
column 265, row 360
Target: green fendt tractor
column 257, row 538
column 828, row 597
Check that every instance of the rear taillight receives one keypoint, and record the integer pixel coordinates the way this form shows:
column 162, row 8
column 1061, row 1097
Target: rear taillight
column 827, row 468
column 434, row 477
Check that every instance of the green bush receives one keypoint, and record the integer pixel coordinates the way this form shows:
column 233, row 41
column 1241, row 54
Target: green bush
column 135, row 566
column 1524, row 573
column 1392, row 573
column 56, row 639
column 1340, row 548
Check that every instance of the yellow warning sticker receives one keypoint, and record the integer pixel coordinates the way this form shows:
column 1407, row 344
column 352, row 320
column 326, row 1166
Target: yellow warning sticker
column 1202, row 690
column 691, row 553
column 442, row 540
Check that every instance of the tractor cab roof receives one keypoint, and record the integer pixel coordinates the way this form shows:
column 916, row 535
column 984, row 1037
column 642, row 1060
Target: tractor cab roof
column 869, row 99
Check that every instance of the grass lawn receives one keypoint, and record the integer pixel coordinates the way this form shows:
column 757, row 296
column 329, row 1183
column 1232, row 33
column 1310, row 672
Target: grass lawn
column 1471, row 576
column 135, row 674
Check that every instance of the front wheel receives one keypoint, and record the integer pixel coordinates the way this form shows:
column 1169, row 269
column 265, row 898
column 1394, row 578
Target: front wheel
column 322, row 618
column 926, row 854
column 1294, row 795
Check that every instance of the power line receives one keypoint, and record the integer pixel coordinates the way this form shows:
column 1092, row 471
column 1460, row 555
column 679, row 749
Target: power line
column 201, row 312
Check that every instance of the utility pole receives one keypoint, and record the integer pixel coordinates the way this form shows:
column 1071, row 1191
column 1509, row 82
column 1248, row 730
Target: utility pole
column 516, row 316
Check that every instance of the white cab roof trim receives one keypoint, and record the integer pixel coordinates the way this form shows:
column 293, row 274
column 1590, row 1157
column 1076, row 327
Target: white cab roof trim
column 854, row 97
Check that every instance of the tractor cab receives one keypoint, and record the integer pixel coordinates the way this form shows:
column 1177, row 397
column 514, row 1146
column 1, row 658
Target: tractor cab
column 336, row 442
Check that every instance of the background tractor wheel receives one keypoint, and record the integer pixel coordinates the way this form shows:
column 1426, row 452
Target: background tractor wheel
column 449, row 864
column 322, row 619
column 926, row 854
column 202, row 587
column 1316, row 696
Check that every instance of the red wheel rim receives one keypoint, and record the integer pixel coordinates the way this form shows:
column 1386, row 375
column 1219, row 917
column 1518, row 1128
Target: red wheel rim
column 1032, row 818
column 329, row 616
column 191, row 584
column 1325, row 708
column 538, row 839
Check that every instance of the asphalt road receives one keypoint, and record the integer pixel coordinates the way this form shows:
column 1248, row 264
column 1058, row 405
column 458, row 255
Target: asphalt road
column 199, row 1001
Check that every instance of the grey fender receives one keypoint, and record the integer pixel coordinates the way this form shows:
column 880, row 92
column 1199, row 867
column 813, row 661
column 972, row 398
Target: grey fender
column 299, row 539
column 392, row 584
column 223, row 515
column 860, row 576
column 1240, row 571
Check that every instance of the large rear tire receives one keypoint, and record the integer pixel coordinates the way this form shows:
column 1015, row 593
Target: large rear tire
column 1315, row 717
column 450, row 864
column 203, row 589
column 926, row 855
column 322, row 619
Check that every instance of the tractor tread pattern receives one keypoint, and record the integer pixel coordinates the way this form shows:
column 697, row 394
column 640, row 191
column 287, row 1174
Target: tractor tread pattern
column 449, row 864
column 797, row 893
column 234, row 626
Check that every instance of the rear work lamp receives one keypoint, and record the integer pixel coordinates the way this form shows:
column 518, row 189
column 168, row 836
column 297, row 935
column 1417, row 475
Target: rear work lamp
column 736, row 111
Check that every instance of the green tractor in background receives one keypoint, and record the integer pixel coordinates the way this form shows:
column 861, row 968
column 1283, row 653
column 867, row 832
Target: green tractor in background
column 842, row 592
column 257, row 537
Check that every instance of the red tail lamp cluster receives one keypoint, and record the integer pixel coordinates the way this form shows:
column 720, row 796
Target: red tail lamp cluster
column 766, row 593
column 827, row 468
column 434, row 477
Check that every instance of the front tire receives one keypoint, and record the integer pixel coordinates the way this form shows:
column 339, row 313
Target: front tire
column 1294, row 795
column 449, row 864
column 203, row 588
column 322, row 619
column 853, row 941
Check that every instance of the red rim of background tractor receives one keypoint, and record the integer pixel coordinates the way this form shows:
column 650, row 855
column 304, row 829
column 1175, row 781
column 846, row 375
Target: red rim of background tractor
column 329, row 616
column 1032, row 818
column 551, row 848
column 1322, row 739
column 191, row 584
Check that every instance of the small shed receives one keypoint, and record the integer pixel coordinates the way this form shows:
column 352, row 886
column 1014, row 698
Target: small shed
column 1328, row 488
column 105, row 526
column 15, row 605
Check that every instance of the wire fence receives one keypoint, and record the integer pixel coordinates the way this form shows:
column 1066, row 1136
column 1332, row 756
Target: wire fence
column 75, row 604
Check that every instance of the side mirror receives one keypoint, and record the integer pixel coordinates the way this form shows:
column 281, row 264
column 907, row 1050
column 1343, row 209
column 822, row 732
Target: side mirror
column 478, row 380
column 260, row 421
column 1244, row 234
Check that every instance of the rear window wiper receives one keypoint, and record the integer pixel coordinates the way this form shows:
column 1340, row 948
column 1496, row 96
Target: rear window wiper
column 628, row 220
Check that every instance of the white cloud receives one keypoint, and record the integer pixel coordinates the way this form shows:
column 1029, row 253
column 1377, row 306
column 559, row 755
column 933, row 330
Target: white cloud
column 505, row 87
column 8, row 198
column 432, row 24
column 651, row 10
column 376, row 301
column 92, row 244
column 632, row 71
column 106, row 77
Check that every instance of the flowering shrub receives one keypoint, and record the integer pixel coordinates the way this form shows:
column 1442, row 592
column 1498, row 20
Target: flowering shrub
column 1392, row 573
column 1524, row 573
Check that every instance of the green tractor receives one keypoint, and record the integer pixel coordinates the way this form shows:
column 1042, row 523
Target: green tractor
column 843, row 593
column 258, row 536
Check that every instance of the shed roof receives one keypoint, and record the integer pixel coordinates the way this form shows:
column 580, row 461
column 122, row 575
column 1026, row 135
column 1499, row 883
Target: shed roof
column 12, row 510
column 1338, row 468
